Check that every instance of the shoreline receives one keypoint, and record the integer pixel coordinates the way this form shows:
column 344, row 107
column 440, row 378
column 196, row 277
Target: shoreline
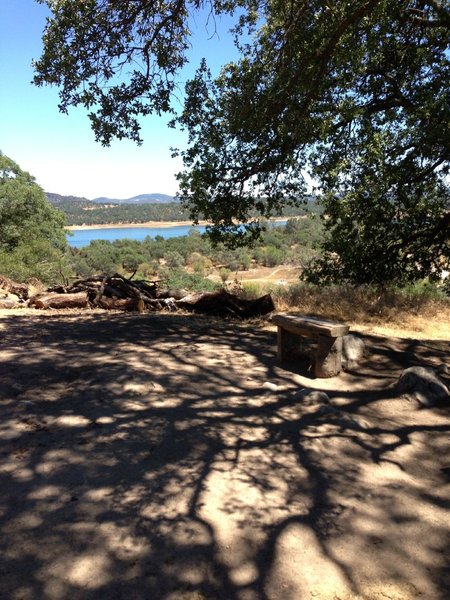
column 150, row 224
column 153, row 224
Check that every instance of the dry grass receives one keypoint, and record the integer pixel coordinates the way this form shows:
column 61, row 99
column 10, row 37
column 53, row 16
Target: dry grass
column 415, row 312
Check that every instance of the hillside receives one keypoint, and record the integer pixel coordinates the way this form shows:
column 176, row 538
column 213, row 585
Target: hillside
column 141, row 199
column 81, row 211
column 59, row 200
column 140, row 209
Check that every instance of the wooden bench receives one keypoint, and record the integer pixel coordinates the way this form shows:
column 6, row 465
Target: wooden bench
column 324, row 341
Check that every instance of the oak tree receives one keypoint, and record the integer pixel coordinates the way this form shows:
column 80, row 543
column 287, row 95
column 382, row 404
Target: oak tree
column 352, row 93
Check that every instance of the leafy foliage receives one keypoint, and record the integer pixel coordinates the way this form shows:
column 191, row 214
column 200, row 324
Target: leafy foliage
column 353, row 92
column 32, row 236
column 296, row 243
column 118, row 58
column 357, row 92
column 180, row 279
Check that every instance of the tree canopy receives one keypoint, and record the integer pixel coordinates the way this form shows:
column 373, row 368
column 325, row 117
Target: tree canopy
column 32, row 236
column 354, row 93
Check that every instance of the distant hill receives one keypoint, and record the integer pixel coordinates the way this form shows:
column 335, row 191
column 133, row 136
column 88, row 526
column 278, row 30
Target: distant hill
column 57, row 199
column 141, row 199
column 140, row 209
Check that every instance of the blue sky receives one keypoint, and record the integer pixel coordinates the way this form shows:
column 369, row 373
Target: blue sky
column 59, row 150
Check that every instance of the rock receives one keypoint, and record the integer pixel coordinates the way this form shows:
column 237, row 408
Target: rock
column 4, row 295
column 270, row 386
column 422, row 384
column 308, row 397
column 343, row 419
column 353, row 351
column 8, row 285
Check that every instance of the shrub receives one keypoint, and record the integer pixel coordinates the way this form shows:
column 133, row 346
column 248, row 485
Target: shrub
column 180, row 279
column 224, row 274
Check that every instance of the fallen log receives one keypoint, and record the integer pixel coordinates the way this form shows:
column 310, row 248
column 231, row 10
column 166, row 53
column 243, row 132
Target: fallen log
column 118, row 293
column 114, row 286
column 257, row 307
column 8, row 303
column 223, row 304
column 163, row 304
column 118, row 303
column 19, row 289
column 175, row 294
column 54, row 300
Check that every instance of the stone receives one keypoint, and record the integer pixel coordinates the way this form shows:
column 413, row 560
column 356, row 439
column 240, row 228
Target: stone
column 422, row 384
column 353, row 351
column 268, row 385
column 308, row 397
column 341, row 418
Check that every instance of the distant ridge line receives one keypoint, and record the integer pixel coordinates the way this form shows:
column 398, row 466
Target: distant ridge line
column 141, row 199
column 154, row 198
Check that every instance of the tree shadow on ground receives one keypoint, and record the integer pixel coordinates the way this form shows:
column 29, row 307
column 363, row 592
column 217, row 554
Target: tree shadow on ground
column 143, row 457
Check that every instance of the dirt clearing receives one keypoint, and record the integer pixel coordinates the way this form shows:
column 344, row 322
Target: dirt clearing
column 146, row 457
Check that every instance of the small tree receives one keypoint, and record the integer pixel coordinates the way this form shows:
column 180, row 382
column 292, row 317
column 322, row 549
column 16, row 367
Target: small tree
column 224, row 275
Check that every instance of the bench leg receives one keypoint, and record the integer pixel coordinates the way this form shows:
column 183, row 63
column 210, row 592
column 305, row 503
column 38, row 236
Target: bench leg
column 281, row 342
column 289, row 344
column 292, row 346
column 328, row 361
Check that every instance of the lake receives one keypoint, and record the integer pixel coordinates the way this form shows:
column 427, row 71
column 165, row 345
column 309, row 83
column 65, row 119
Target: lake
column 83, row 237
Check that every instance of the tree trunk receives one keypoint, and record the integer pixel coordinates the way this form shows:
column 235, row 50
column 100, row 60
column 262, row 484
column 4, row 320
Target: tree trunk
column 19, row 289
column 118, row 303
column 52, row 300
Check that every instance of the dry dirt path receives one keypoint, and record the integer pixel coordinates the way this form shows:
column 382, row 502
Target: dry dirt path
column 142, row 457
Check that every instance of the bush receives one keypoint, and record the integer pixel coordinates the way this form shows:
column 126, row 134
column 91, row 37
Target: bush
column 250, row 291
column 224, row 274
column 174, row 259
column 180, row 279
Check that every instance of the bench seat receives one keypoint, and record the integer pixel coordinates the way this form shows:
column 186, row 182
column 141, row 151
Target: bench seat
column 326, row 349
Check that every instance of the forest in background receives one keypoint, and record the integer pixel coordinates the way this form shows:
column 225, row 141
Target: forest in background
column 188, row 260
column 33, row 246
column 80, row 211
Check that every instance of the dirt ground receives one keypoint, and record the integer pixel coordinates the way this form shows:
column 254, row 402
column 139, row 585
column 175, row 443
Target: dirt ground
column 168, row 457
